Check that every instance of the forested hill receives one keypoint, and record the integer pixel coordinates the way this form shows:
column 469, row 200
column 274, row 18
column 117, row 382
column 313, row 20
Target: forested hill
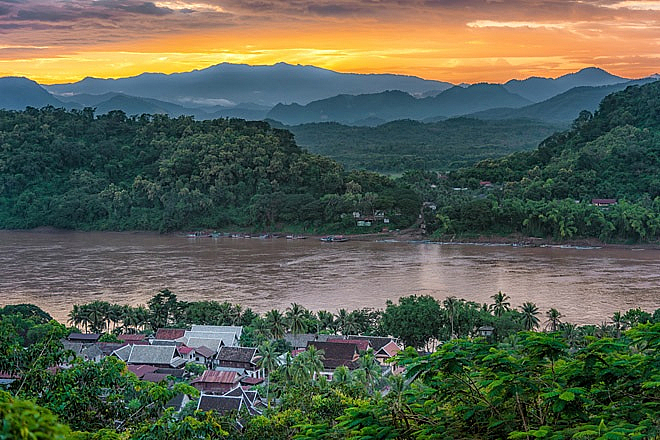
column 72, row 169
column 613, row 154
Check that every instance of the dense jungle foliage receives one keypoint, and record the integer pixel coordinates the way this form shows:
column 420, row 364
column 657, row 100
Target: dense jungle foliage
column 77, row 170
column 548, row 192
column 72, row 169
column 579, row 382
column 398, row 146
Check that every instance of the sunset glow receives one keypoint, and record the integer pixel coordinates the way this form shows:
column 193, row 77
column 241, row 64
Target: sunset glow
column 458, row 41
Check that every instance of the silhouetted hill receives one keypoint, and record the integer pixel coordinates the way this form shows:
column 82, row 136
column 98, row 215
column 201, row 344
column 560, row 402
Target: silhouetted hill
column 563, row 108
column 539, row 89
column 394, row 105
column 16, row 93
column 228, row 84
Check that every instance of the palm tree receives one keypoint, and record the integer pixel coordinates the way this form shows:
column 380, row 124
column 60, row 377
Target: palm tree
column 451, row 305
column 326, row 320
column 371, row 368
column 529, row 312
column 129, row 318
column 261, row 328
column 78, row 316
column 553, row 321
column 341, row 375
column 310, row 364
column 340, row 322
column 276, row 323
column 235, row 314
column 619, row 323
column 114, row 315
column 268, row 362
column 352, row 323
column 500, row 304
column 96, row 313
column 295, row 317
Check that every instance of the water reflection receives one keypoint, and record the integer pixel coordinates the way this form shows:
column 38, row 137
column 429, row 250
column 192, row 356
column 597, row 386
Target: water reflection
column 58, row 269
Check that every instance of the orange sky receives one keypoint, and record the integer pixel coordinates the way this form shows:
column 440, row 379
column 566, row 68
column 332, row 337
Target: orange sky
column 450, row 40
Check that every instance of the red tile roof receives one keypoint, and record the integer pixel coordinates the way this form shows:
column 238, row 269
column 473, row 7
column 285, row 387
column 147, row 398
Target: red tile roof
column 212, row 376
column 362, row 344
column 252, row 380
column 205, row 352
column 170, row 333
column 389, row 349
column 185, row 350
column 141, row 370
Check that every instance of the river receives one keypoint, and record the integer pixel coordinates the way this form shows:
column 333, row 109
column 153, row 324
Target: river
column 56, row 270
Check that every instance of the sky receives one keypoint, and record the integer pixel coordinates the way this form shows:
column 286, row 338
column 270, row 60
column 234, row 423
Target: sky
column 450, row 40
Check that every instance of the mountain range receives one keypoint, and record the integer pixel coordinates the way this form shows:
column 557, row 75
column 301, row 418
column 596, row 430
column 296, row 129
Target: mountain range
column 296, row 94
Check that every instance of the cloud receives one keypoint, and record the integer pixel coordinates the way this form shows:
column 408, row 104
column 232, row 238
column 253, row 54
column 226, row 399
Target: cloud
column 146, row 8
column 636, row 5
column 514, row 24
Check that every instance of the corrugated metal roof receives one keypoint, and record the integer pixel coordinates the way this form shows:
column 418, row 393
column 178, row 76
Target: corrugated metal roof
column 212, row 376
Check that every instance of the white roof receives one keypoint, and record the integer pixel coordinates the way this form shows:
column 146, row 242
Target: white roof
column 152, row 354
column 219, row 329
column 213, row 344
column 228, row 339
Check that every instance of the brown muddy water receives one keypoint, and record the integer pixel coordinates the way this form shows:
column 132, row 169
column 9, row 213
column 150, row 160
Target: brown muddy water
column 56, row 270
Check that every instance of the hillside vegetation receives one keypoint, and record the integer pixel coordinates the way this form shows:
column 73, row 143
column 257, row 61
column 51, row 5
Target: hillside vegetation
column 411, row 145
column 77, row 170
column 613, row 154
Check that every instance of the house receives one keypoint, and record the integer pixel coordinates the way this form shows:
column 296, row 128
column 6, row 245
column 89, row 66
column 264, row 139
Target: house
column 234, row 400
column 213, row 340
column 217, row 382
column 300, row 340
column 133, row 338
column 204, row 356
column 169, row 333
column 362, row 344
column 178, row 402
column 236, row 329
column 141, row 370
column 86, row 351
column 603, row 203
column 337, row 354
column 237, row 357
column 386, row 352
column 84, row 338
column 155, row 355
column 376, row 342
column 108, row 347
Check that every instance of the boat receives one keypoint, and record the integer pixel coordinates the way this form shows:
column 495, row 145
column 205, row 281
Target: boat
column 333, row 239
column 198, row 234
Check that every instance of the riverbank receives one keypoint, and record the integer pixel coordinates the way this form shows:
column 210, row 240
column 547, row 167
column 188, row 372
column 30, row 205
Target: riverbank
column 405, row 235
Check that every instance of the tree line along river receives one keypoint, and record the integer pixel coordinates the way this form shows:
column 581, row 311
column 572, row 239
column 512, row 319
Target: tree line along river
column 57, row 269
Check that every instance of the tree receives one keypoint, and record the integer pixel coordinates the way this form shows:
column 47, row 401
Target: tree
column 23, row 419
column 415, row 320
column 276, row 322
column 372, row 371
column 553, row 322
column 500, row 304
column 268, row 362
column 326, row 321
column 529, row 312
column 162, row 307
column 295, row 317
column 308, row 364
